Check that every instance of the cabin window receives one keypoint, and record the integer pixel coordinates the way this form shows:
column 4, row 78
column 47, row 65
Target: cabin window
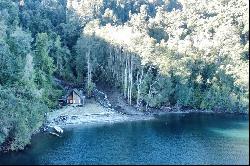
column 71, row 101
column 79, row 101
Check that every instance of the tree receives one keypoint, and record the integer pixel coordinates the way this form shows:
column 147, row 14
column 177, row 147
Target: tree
column 43, row 62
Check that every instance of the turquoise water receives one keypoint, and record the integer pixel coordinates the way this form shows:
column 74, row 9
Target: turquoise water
column 169, row 139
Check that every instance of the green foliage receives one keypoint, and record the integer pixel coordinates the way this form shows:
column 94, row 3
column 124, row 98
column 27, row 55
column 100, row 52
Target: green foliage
column 26, row 88
column 7, row 63
column 20, row 42
column 24, row 114
column 61, row 58
column 161, row 91
column 90, row 88
column 43, row 61
column 9, row 12
column 191, row 54
column 183, row 94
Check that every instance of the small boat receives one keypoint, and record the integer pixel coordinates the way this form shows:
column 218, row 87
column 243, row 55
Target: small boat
column 58, row 129
column 55, row 130
column 55, row 134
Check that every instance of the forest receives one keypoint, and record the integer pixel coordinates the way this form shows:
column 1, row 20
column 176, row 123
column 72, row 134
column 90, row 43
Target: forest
column 157, row 53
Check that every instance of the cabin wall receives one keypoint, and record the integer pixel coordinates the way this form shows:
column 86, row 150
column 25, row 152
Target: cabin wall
column 76, row 98
column 70, row 99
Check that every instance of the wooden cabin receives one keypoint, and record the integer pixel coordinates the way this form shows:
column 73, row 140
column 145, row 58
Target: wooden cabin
column 73, row 97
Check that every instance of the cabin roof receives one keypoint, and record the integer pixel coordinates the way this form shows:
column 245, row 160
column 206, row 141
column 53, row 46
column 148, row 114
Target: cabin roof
column 79, row 93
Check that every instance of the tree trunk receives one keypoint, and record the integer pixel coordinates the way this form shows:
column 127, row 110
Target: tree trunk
column 149, row 96
column 128, row 79
column 125, row 77
column 131, row 80
column 139, row 81
column 89, row 72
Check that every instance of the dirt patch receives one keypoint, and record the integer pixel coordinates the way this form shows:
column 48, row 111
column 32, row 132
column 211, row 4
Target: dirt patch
column 118, row 102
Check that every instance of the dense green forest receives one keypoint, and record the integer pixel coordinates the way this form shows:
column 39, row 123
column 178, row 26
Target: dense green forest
column 184, row 53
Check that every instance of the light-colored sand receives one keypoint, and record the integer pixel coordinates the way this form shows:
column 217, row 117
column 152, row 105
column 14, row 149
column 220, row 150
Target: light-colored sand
column 91, row 112
column 91, row 107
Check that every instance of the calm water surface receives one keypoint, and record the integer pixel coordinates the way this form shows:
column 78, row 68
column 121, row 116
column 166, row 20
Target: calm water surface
column 169, row 139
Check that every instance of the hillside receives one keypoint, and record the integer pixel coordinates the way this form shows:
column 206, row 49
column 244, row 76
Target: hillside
column 185, row 53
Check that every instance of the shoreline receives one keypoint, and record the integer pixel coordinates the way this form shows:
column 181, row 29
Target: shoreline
column 186, row 111
column 117, row 101
column 94, row 113
column 104, row 115
column 108, row 107
column 91, row 113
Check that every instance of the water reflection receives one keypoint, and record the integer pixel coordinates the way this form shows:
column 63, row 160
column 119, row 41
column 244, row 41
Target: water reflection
column 170, row 139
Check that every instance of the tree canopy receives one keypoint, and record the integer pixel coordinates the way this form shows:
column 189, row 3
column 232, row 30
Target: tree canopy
column 158, row 53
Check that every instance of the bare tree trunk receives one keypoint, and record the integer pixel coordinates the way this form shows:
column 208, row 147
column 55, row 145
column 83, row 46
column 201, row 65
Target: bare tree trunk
column 150, row 90
column 139, row 81
column 150, row 93
column 128, row 86
column 89, row 72
column 149, row 96
column 131, row 80
column 138, row 87
column 113, row 65
column 125, row 77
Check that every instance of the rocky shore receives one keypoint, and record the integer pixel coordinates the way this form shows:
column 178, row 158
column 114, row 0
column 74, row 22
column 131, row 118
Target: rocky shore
column 92, row 112
column 116, row 100
column 111, row 108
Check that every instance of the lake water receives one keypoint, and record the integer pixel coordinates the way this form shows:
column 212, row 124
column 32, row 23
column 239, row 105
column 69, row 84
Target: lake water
column 169, row 139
